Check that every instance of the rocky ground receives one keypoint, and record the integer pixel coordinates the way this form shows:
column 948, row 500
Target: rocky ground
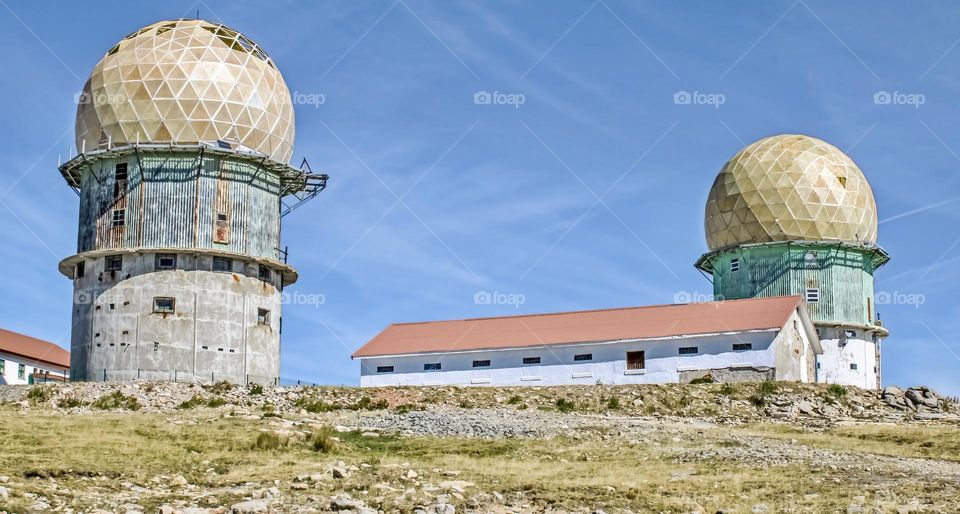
column 148, row 447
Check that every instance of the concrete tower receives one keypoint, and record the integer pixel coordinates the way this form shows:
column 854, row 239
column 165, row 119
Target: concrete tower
column 184, row 131
column 793, row 215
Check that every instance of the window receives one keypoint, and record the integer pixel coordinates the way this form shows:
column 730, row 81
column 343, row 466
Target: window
column 221, row 216
column 739, row 347
column 734, row 264
column 531, row 360
column 818, row 365
column 263, row 316
column 3, row 367
column 166, row 261
column 114, row 263
column 119, row 216
column 431, row 366
column 163, row 304
column 222, row 264
column 853, row 366
column 688, row 350
column 481, row 364
column 79, row 270
column 635, row 360
column 120, row 180
column 264, row 273
column 851, row 333
column 156, row 346
column 813, row 294
column 21, row 371
column 583, row 357
column 384, row 369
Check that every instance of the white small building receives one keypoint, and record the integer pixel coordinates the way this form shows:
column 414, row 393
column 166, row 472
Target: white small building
column 28, row 360
column 731, row 341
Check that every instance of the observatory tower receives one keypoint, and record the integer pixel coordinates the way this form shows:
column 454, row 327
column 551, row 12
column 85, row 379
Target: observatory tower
column 793, row 215
column 184, row 130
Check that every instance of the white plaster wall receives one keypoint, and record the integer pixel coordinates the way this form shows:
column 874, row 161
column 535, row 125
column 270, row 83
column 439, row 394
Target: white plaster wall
column 840, row 352
column 12, row 363
column 557, row 367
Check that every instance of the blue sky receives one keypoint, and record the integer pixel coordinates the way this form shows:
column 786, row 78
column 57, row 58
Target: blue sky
column 588, row 194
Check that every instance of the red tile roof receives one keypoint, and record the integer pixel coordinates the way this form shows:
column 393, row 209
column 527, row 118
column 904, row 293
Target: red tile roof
column 655, row 321
column 33, row 348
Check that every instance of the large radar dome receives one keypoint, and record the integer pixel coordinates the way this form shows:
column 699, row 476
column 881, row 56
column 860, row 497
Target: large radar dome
column 187, row 81
column 790, row 187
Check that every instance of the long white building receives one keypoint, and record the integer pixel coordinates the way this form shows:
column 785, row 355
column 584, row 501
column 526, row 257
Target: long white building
column 28, row 360
column 742, row 340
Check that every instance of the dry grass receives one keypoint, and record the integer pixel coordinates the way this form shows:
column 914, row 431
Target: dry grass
column 561, row 472
column 897, row 440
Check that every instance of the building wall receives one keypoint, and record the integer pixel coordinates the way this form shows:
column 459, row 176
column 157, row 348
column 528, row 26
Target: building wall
column 10, row 369
column 557, row 366
column 213, row 333
column 841, row 352
column 173, row 201
column 843, row 274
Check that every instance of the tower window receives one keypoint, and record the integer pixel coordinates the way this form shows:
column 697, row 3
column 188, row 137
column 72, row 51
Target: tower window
column 853, row 366
column 689, row 350
column 120, row 171
column 264, row 273
column 531, row 360
column 113, row 263
column 740, row 347
column 79, row 270
column 734, row 264
column 481, row 363
column 164, row 304
column 431, row 366
column 851, row 333
column 813, row 294
column 583, row 357
column 166, row 261
column 119, row 217
column 222, row 264
column 263, row 316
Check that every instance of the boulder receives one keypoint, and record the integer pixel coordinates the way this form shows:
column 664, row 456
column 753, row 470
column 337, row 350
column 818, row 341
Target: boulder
column 250, row 507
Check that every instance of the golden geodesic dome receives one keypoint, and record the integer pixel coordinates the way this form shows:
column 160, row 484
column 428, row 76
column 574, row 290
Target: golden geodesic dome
column 187, row 81
column 790, row 187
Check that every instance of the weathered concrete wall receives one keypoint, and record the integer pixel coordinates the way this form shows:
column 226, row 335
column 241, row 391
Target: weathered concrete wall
column 557, row 366
column 841, row 353
column 749, row 374
column 792, row 356
column 213, row 333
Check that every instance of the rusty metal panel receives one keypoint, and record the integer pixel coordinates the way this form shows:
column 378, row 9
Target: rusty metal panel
column 174, row 200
